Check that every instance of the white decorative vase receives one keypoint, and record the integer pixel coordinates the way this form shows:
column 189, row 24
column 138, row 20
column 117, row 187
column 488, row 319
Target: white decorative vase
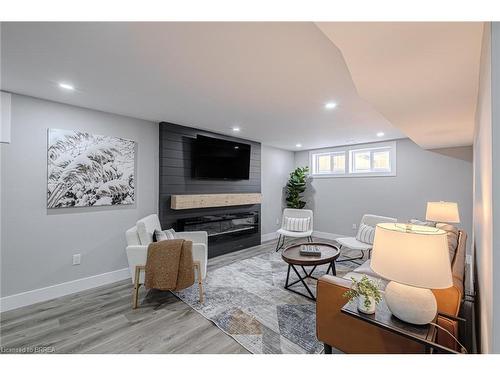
column 361, row 305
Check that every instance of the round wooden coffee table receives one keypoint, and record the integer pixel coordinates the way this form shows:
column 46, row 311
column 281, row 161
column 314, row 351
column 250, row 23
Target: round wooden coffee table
column 291, row 255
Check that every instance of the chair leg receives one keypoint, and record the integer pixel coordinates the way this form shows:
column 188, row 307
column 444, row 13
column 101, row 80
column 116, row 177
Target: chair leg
column 197, row 267
column 278, row 243
column 281, row 239
column 135, row 292
column 351, row 259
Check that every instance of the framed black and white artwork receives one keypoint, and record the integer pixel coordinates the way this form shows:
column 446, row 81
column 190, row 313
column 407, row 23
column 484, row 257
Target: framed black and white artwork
column 87, row 170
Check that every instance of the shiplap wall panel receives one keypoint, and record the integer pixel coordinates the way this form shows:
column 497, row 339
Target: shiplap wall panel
column 176, row 178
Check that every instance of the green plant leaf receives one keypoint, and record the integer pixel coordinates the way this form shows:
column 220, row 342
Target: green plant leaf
column 364, row 288
column 296, row 186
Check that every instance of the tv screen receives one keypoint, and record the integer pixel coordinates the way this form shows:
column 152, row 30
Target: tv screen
column 220, row 159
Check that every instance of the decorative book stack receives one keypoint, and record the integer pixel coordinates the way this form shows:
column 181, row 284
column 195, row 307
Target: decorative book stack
column 310, row 250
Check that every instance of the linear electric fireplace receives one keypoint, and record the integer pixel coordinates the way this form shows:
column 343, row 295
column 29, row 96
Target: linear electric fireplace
column 226, row 232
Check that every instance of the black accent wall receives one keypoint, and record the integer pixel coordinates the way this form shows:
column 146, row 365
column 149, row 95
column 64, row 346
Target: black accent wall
column 175, row 178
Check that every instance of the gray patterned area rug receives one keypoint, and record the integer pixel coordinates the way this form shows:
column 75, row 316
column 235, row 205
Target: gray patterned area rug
column 248, row 301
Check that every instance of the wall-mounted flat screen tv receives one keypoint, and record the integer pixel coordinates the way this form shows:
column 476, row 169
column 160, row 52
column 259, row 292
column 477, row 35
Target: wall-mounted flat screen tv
column 215, row 158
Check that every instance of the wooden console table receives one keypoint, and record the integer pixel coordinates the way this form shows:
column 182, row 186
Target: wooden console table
column 383, row 318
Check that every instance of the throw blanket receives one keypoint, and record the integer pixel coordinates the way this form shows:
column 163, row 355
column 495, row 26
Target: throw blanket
column 169, row 265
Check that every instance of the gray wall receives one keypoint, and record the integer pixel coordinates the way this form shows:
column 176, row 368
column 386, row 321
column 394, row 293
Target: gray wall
column 487, row 191
column 483, row 207
column 276, row 167
column 422, row 176
column 37, row 243
column 495, row 136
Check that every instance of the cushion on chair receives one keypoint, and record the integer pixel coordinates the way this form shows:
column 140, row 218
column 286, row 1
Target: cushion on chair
column 452, row 236
column 171, row 235
column 162, row 235
column 296, row 224
column 159, row 235
column 365, row 233
column 289, row 233
column 353, row 243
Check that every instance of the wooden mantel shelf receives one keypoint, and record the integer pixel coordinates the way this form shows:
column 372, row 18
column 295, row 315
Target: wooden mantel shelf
column 188, row 201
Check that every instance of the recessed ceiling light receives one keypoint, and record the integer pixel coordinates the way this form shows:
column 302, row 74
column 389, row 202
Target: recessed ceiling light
column 236, row 129
column 298, row 145
column 66, row 86
column 380, row 134
column 330, row 105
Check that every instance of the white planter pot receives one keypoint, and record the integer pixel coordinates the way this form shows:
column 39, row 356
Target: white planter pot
column 362, row 308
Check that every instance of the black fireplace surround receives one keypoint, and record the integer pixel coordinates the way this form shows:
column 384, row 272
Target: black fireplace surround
column 229, row 228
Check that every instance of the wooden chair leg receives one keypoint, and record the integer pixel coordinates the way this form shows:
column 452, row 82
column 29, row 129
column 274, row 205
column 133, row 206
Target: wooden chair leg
column 135, row 293
column 197, row 267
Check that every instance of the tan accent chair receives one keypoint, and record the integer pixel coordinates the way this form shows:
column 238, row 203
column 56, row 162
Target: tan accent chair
column 349, row 335
column 141, row 235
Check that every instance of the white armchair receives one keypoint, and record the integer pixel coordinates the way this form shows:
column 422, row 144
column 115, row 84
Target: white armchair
column 354, row 244
column 283, row 232
column 141, row 235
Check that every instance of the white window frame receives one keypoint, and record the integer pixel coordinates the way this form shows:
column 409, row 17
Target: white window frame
column 314, row 165
column 348, row 151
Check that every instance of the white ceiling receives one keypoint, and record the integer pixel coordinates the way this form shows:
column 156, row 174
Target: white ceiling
column 422, row 76
column 271, row 79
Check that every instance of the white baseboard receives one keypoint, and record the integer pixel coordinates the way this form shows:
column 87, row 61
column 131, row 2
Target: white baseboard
column 44, row 294
column 325, row 235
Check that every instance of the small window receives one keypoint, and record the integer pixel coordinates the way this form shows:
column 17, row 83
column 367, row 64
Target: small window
column 324, row 163
column 355, row 161
column 338, row 162
column 382, row 161
column 328, row 163
column 371, row 160
column 361, row 161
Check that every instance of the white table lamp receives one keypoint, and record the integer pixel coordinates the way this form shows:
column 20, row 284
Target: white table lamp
column 415, row 258
column 445, row 212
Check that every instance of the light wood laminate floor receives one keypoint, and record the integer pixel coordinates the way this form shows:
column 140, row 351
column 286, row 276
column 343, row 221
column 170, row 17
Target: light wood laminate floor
column 101, row 320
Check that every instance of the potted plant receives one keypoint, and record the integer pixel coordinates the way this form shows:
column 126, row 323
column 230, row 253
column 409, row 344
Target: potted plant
column 367, row 293
column 295, row 187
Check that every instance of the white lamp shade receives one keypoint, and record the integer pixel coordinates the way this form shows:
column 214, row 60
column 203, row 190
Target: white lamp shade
column 445, row 212
column 414, row 255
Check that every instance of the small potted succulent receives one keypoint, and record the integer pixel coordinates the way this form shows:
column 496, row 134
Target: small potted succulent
column 367, row 292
